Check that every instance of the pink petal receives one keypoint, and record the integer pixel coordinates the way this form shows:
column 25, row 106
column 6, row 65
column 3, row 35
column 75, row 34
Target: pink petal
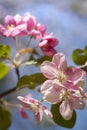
column 46, row 85
column 25, row 103
column 50, row 84
column 38, row 116
column 9, row 20
column 65, row 110
column 31, row 23
column 52, row 42
column 53, row 96
column 23, row 113
column 60, row 61
column 41, row 28
column 74, row 74
column 71, row 85
column 34, row 33
column 48, row 69
column 49, row 51
column 78, row 104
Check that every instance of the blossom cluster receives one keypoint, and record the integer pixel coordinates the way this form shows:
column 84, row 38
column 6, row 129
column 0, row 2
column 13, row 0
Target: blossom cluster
column 27, row 25
column 64, row 84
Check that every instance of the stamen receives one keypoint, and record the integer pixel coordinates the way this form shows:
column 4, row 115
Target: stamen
column 61, row 77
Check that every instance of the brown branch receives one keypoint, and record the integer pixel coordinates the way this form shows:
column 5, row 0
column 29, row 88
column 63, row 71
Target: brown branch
column 15, row 89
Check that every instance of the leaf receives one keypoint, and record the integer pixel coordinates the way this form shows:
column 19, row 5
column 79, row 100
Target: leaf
column 3, row 70
column 58, row 119
column 5, row 119
column 79, row 56
column 40, row 60
column 32, row 80
column 4, row 51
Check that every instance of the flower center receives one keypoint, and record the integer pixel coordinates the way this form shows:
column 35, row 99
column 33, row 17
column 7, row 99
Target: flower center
column 10, row 27
column 60, row 76
column 64, row 94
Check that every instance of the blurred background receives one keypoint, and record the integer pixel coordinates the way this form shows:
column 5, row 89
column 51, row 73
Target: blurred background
column 67, row 19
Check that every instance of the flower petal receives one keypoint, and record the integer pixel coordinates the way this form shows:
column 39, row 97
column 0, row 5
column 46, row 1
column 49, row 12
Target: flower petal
column 25, row 103
column 66, row 110
column 38, row 116
column 23, row 113
column 53, row 95
column 46, row 85
column 78, row 104
column 48, row 69
column 74, row 74
column 60, row 61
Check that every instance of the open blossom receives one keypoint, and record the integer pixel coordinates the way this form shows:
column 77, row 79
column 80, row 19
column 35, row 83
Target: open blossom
column 47, row 44
column 13, row 26
column 22, row 25
column 35, row 106
column 63, row 85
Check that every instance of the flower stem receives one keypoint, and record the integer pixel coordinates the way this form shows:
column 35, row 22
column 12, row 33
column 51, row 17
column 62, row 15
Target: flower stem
column 17, row 72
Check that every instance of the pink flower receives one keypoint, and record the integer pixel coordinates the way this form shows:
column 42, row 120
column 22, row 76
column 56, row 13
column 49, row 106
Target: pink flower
column 13, row 26
column 63, row 85
column 35, row 106
column 22, row 25
column 34, row 29
column 47, row 44
column 58, row 72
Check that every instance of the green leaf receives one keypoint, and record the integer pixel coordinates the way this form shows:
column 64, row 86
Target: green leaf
column 58, row 119
column 79, row 56
column 3, row 70
column 4, row 51
column 5, row 119
column 32, row 80
column 44, row 58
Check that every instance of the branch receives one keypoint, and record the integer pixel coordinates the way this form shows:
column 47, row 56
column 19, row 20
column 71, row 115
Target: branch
column 15, row 89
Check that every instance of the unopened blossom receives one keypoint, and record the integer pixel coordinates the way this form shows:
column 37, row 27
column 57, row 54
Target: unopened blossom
column 63, row 85
column 35, row 106
column 47, row 44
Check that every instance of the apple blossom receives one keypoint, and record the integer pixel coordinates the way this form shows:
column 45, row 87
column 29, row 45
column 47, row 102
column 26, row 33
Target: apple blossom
column 63, row 85
column 13, row 26
column 35, row 106
column 22, row 25
column 47, row 44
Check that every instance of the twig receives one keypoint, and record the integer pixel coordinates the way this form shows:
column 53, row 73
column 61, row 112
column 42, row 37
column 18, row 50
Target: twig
column 15, row 89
